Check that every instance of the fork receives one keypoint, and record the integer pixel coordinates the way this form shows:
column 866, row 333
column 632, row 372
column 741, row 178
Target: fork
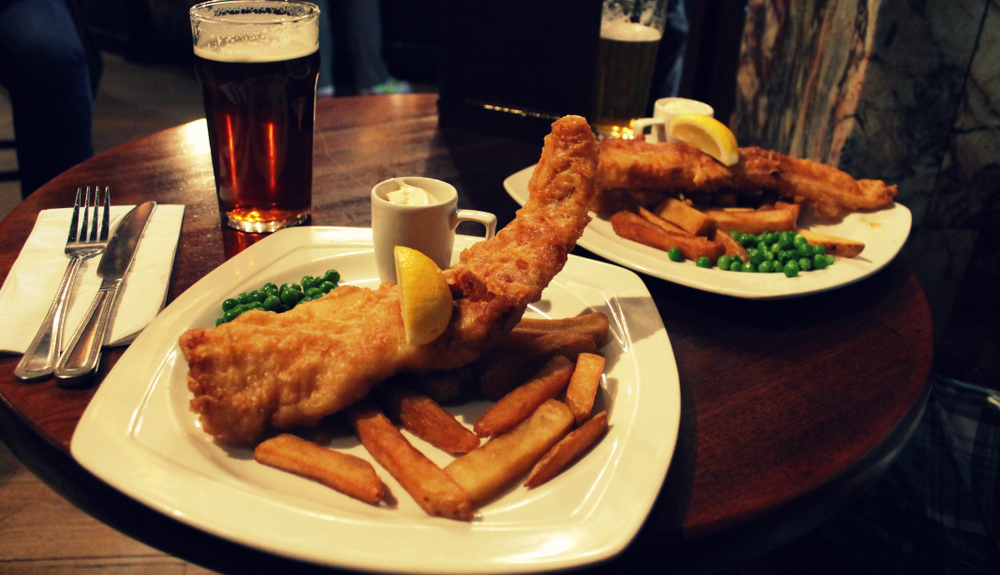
column 40, row 358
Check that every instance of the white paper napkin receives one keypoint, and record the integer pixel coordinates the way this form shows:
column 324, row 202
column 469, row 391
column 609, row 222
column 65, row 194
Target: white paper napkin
column 34, row 280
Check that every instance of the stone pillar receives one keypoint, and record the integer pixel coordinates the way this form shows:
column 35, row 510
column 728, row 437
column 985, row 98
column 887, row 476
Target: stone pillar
column 907, row 92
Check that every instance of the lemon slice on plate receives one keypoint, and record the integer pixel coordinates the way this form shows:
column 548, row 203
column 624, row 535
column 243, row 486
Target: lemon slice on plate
column 708, row 135
column 424, row 296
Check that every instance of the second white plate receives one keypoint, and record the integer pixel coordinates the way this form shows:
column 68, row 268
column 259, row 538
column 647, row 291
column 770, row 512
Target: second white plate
column 884, row 232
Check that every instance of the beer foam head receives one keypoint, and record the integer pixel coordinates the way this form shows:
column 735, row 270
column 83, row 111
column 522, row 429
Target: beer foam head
column 254, row 31
column 629, row 32
column 636, row 21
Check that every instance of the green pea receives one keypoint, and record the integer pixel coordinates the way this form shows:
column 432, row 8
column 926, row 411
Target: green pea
column 829, row 260
column 764, row 267
column 799, row 241
column 675, row 255
column 232, row 314
column 819, row 262
column 768, row 256
column 269, row 289
column 290, row 296
column 736, row 266
column 219, row 321
column 819, row 250
column 724, row 262
column 314, row 292
column 735, row 234
column 749, row 267
column 272, row 303
column 296, row 287
column 703, row 262
column 791, row 269
column 737, row 258
column 244, row 298
column 332, row 276
column 768, row 237
column 303, row 300
column 307, row 282
column 786, row 239
column 327, row 287
column 229, row 304
column 755, row 256
column 805, row 264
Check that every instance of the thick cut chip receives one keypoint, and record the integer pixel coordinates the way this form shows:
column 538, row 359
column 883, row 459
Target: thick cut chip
column 501, row 370
column 583, row 385
column 568, row 450
column 425, row 418
column 433, row 489
column 486, row 471
column 344, row 472
column 520, row 403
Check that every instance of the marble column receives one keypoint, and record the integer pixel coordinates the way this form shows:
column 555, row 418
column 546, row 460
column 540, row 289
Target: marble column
column 908, row 92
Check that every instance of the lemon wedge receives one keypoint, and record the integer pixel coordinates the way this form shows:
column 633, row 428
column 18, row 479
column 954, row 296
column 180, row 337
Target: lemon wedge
column 424, row 296
column 708, row 135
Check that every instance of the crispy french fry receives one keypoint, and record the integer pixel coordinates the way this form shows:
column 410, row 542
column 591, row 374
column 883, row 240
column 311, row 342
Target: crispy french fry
column 568, row 450
column 433, row 489
column 755, row 221
column 657, row 220
column 423, row 417
column 522, row 401
column 343, row 472
column 484, row 472
column 634, row 227
column 501, row 370
column 583, row 385
column 683, row 215
column 733, row 247
column 835, row 246
column 594, row 324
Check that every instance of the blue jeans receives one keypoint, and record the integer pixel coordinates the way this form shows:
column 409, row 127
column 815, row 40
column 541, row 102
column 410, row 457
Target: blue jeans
column 44, row 66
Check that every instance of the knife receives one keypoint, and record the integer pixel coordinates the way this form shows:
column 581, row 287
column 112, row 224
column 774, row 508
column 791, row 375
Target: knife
column 78, row 363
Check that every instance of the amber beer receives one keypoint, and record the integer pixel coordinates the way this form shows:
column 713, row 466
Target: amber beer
column 624, row 76
column 260, row 102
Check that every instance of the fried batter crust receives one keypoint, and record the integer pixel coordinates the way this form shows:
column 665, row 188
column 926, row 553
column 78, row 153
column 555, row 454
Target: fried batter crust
column 266, row 371
column 633, row 173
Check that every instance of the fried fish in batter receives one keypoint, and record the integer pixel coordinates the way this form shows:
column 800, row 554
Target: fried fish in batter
column 633, row 173
column 266, row 371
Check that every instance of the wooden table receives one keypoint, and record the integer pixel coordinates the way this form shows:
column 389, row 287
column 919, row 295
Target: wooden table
column 789, row 408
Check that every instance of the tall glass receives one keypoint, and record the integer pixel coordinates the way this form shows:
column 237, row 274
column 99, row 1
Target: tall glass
column 630, row 37
column 257, row 61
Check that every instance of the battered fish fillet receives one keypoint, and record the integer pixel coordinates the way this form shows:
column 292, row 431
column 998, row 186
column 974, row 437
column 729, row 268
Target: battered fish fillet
column 266, row 371
column 633, row 173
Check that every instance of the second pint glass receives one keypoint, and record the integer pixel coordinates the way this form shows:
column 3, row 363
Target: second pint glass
column 630, row 37
column 257, row 61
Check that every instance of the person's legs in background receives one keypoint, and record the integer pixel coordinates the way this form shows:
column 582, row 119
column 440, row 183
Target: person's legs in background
column 324, row 84
column 48, row 72
column 365, row 41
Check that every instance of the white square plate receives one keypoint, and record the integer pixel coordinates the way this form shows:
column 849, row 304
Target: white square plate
column 883, row 232
column 139, row 436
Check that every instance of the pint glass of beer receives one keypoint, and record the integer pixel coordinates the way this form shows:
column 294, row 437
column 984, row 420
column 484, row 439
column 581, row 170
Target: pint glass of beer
column 257, row 61
column 630, row 36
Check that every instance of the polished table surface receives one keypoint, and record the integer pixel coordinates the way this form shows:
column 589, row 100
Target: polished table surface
column 790, row 408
